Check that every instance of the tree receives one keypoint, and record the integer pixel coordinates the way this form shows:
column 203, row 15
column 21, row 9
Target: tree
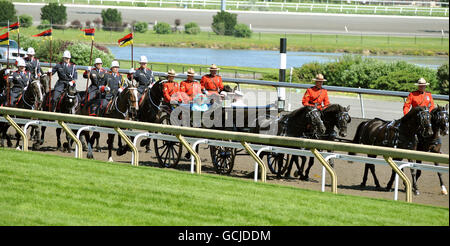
column 223, row 23
column 25, row 20
column 7, row 12
column 55, row 14
column 242, row 31
column 442, row 75
column 112, row 19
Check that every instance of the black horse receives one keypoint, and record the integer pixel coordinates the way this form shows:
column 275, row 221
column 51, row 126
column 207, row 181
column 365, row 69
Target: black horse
column 439, row 122
column 31, row 98
column 149, row 107
column 397, row 134
column 124, row 105
column 68, row 104
column 305, row 122
column 333, row 116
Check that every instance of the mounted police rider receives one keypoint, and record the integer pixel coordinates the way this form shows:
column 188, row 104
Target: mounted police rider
column 97, row 78
column 32, row 64
column 19, row 81
column 143, row 75
column 67, row 75
column 113, row 83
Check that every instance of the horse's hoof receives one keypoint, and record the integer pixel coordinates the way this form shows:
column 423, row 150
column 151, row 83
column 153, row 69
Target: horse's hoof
column 144, row 142
column 110, row 159
column 388, row 189
column 296, row 174
column 36, row 146
column 9, row 145
column 187, row 155
column 18, row 148
column 443, row 191
column 362, row 185
column 148, row 151
column 90, row 156
column 416, row 192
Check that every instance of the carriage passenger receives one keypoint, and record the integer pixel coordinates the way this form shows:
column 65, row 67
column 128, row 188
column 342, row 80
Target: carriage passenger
column 191, row 87
column 316, row 95
column 97, row 77
column 19, row 81
column 212, row 83
column 67, row 75
column 32, row 64
column 143, row 75
column 171, row 90
column 419, row 98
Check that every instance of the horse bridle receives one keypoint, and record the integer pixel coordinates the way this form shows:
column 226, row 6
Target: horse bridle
column 314, row 115
column 424, row 119
column 442, row 116
column 32, row 106
column 342, row 117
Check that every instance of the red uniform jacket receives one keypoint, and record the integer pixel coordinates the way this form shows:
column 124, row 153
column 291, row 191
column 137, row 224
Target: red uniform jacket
column 315, row 96
column 212, row 84
column 418, row 98
column 171, row 92
column 191, row 89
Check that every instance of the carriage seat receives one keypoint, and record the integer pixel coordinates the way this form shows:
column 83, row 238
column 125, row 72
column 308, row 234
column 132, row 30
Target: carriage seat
column 268, row 106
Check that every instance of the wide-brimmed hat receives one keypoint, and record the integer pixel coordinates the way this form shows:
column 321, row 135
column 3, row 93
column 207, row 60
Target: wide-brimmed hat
column 319, row 77
column 190, row 72
column 214, row 67
column 422, row 81
column 98, row 61
column 171, row 72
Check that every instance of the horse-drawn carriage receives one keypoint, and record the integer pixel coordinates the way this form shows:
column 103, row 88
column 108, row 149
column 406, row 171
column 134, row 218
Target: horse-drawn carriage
column 225, row 112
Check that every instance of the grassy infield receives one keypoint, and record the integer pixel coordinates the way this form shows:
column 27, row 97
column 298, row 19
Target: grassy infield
column 40, row 189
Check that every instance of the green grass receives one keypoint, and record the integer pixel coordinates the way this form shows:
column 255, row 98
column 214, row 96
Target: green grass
column 41, row 189
column 423, row 46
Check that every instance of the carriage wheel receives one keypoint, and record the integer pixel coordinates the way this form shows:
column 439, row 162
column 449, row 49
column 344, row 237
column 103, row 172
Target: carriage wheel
column 222, row 159
column 277, row 163
column 167, row 152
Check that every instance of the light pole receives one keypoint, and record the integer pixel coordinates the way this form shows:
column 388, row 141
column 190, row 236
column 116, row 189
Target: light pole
column 224, row 5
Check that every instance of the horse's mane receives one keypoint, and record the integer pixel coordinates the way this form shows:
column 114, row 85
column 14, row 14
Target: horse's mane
column 412, row 113
column 333, row 108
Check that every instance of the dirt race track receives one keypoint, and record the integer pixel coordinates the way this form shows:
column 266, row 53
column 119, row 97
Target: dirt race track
column 349, row 175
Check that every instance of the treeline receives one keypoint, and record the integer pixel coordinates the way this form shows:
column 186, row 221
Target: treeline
column 357, row 71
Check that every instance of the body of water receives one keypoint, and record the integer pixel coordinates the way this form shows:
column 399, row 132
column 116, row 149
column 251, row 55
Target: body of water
column 250, row 58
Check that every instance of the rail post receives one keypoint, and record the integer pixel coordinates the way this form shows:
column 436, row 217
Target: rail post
column 192, row 151
column 402, row 176
column 329, row 169
column 194, row 146
column 135, row 154
column 257, row 159
column 19, row 130
column 73, row 137
column 361, row 103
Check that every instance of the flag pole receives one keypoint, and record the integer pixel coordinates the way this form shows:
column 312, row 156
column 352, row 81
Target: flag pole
column 50, row 79
column 89, row 72
column 18, row 37
column 7, row 76
column 7, row 54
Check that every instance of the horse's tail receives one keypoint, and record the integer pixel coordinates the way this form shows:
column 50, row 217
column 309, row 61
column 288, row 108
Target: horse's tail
column 359, row 132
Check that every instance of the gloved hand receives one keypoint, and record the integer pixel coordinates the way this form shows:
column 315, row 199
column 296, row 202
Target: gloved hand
column 72, row 83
